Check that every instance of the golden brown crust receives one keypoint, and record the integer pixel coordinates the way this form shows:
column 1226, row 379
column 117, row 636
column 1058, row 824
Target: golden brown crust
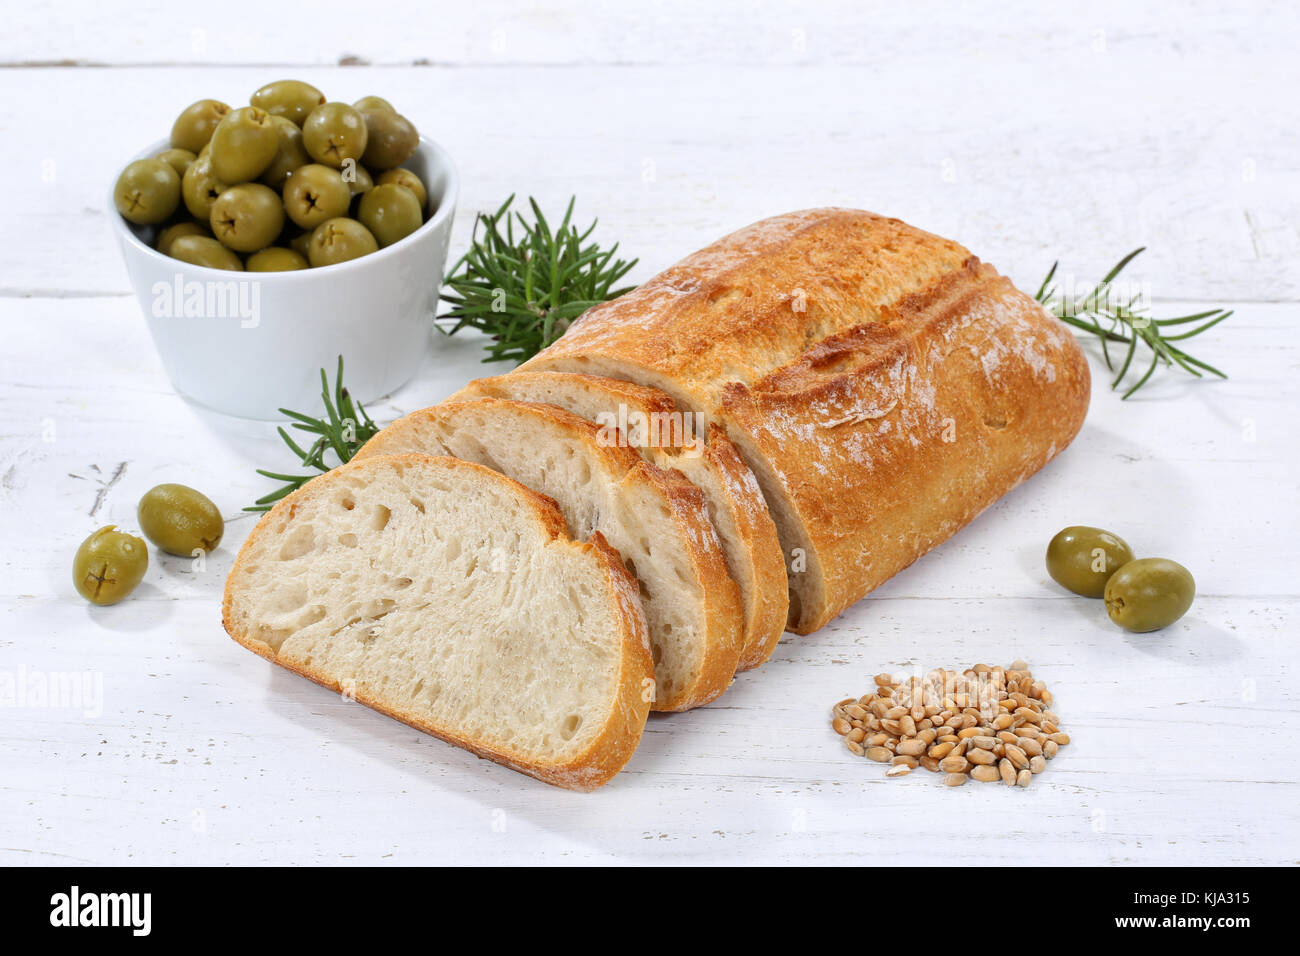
column 888, row 438
column 618, row 739
column 769, row 601
column 604, row 393
column 722, row 613
column 710, row 461
column 718, row 593
column 753, row 301
column 797, row 333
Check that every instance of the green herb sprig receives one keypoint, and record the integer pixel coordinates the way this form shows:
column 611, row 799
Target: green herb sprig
column 524, row 287
column 342, row 431
column 1127, row 324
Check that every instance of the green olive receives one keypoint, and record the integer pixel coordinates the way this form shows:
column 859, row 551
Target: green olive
column 301, row 244
column 1082, row 559
column 175, row 231
column 292, row 99
column 243, row 145
column 276, row 259
column 390, row 139
column 108, row 565
column 404, row 177
column 390, row 212
column 338, row 240
column 315, row 193
column 180, row 520
column 147, row 192
column 200, row 187
column 247, row 217
column 177, row 159
column 357, row 177
column 334, row 132
column 193, row 128
column 373, row 103
column 204, row 251
column 1148, row 594
column 291, row 154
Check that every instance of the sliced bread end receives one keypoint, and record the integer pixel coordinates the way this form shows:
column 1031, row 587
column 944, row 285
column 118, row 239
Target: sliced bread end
column 445, row 595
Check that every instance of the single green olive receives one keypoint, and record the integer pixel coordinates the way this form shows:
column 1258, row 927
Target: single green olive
column 205, row 251
column 1082, row 559
column 147, row 192
column 108, row 565
column 290, row 155
column 404, row 177
column 276, row 259
column 390, row 139
column 1148, row 594
column 247, row 217
column 175, row 231
column 180, row 520
column 390, row 212
column 338, row 240
column 314, row 193
column 292, row 99
column 334, row 132
column 357, row 177
column 193, row 128
column 177, row 159
column 200, row 187
column 243, row 145
column 373, row 103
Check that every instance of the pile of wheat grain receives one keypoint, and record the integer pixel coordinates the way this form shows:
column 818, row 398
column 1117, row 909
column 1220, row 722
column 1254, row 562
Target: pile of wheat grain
column 985, row 723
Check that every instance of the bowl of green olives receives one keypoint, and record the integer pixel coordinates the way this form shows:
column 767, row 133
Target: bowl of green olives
column 264, row 241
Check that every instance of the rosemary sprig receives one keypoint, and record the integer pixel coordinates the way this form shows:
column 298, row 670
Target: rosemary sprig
column 1126, row 324
column 523, row 289
column 342, row 431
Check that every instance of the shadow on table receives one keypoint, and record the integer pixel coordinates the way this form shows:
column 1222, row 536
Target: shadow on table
column 146, row 608
column 1189, row 639
column 502, row 793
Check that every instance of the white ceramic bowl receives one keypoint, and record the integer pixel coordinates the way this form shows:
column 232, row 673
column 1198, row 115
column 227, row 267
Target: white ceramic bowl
column 250, row 343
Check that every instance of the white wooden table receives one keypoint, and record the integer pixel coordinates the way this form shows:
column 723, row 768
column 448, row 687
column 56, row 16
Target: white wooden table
column 1026, row 135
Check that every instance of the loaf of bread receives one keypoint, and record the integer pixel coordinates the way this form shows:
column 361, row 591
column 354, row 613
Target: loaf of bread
column 654, row 518
column 446, row 595
column 648, row 420
column 883, row 385
column 846, row 391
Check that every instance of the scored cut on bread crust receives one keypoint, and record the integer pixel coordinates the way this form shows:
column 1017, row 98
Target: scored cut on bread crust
column 396, row 580
column 655, row 518
column 884, row 441
column 752, row 302
column 648, row 420
column 883, row 385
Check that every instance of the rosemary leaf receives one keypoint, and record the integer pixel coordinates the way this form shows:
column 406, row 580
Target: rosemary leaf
column 343, row 429
column 524, row 286
column 1128, row 325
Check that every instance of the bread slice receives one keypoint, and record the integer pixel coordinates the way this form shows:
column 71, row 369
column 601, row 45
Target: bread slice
column 654, row 518
column 446, row 595
column 649, row 421
column 882, row 383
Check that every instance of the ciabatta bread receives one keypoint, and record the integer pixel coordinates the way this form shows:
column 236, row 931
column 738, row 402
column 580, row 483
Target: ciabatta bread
column 883, row 384
column 654, row 518
column 446, row 595
column 649, row 421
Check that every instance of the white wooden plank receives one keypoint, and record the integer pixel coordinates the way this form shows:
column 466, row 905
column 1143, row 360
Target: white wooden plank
column 672, row 32
column 1026, row 158
column 1170, row 762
